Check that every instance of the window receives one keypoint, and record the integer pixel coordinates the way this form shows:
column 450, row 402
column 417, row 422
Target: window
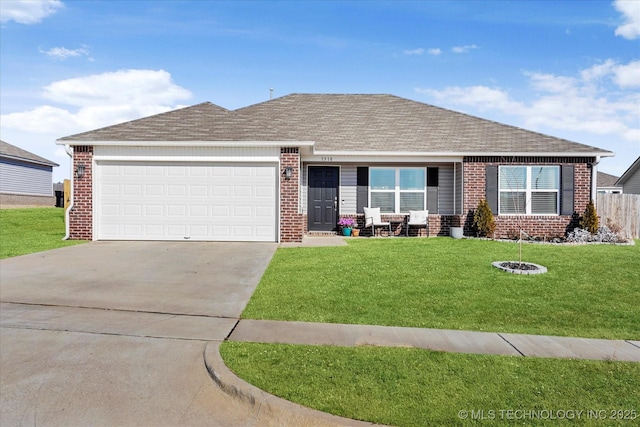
column 530, row 190
column 397, row 190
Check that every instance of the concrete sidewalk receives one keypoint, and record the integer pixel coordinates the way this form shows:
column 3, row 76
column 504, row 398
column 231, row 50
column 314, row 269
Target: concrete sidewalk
column 270, row 331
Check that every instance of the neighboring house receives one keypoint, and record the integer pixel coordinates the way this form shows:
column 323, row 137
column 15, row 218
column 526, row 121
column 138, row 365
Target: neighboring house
column 630, row 179
column 607, row 184
column 25, row 178
column 293, row 165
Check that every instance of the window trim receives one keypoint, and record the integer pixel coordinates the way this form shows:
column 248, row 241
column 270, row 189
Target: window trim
column 528, row 191
column 397, row 190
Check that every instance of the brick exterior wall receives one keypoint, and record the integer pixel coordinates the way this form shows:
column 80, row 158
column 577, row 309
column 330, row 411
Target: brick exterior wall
column 8, row 201
column 81, row 215
column 292, row 223
column 540, row 226
column 439, row 225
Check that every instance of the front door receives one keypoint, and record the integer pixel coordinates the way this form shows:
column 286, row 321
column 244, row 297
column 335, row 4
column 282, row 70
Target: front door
column 323, row 198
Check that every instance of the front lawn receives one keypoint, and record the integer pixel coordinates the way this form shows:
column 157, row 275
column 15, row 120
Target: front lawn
column 24, row 231
column 413, row 387
column 589, row 291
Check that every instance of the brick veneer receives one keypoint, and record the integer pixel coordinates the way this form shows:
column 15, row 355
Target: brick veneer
column 439, row 225
column 292, row 223
column 474, row 178
column 81, row 214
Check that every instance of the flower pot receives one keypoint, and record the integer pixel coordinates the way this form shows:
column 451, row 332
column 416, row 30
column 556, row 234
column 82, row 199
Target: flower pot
column 355, row 232
column 346, row 231
column 457, row 232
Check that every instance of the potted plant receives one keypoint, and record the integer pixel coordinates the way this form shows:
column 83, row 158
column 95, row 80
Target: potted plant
column 347, row 225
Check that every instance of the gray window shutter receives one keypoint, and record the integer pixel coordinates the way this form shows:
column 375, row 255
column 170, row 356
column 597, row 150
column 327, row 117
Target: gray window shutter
column 567, row 190
column 492, row 188
column 432, row 200
column 362, row 192
column 432, row 189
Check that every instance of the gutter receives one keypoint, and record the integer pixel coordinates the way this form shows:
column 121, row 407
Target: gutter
column 594, row 179
column 69, row 151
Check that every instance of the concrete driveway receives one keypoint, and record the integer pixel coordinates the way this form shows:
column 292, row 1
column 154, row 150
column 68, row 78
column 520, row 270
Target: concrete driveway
column 113, row 333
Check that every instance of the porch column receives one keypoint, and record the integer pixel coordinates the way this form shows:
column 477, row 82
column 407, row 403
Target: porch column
column 81, row 214
column 291, row 221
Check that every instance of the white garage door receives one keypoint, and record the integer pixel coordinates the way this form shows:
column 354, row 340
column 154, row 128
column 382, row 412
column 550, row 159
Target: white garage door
column 169, row 201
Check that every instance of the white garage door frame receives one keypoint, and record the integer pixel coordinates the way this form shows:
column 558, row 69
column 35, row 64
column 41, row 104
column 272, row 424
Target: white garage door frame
column 202, row 158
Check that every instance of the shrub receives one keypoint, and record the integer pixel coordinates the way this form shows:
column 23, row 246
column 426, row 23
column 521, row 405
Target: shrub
column 589, row 220
column 603, row 235
column 483, row 219
column 615, row 228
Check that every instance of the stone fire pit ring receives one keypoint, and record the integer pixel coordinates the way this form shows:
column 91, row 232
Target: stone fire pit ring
column 516, row 267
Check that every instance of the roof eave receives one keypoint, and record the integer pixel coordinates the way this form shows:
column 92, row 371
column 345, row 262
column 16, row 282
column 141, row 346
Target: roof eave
column 26, row 160
column 466, row 153
column 188, row 143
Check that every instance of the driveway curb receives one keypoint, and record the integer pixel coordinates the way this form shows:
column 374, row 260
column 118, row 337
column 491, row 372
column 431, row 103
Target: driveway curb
column 267, row 409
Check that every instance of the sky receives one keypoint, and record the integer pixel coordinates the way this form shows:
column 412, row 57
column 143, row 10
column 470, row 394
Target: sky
column 570, row 69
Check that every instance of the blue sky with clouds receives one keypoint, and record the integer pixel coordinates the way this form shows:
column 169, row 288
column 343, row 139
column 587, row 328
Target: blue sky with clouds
column 565, row 68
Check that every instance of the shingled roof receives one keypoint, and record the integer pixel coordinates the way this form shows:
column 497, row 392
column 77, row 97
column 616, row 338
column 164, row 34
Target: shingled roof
column 12, row 152
column 606, row 180
column 340, row 123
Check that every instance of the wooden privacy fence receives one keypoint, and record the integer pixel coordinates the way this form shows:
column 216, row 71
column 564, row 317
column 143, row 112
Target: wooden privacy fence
column 621, row 209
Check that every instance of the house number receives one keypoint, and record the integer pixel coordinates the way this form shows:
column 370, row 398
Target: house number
column 327, row 159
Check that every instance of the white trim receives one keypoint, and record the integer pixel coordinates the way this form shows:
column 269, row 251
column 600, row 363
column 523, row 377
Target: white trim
column 453, row 154
column 397, row 191
column 374, row 158
column 528, row 191
column 191, row 143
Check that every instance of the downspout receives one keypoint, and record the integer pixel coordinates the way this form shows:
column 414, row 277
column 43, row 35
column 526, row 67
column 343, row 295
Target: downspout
column 594, row 178
column 69, row 151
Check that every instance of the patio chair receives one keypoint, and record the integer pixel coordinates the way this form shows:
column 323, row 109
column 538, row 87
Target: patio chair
column 417, row 219
column 372, row 218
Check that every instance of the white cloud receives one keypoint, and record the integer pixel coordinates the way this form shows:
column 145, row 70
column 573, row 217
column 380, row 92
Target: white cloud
column 64, row 53
column 101, row 100
column 418, row 51
column 481, row 97
column 28, row 11
column 421, row 51
column 463, row 49
column 627, row 75
column 597, row 101
column 630, row 10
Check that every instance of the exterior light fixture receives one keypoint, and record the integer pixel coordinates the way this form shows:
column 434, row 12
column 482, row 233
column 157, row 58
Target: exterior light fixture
column 80, row 170
column 288, row 172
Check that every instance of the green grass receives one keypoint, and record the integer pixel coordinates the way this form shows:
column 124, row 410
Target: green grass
column 412, row 387
column 589, row 291
column 24, row 231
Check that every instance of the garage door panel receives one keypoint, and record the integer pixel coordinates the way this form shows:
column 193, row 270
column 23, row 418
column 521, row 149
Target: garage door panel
column 131, row 170
column 164, row 201
column 132, row 210
column 198, row 191
column 153, row 210
column 154, row 190
column 176, row 190
column 154, row 231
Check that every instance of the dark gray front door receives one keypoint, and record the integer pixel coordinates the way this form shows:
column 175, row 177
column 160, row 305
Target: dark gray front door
column 323, row 198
